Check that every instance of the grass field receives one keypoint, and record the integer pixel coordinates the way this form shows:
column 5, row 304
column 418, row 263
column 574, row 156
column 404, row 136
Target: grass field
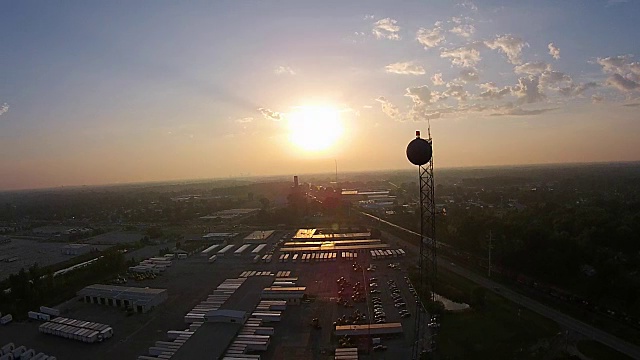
column 497, row 330
column 597, row 351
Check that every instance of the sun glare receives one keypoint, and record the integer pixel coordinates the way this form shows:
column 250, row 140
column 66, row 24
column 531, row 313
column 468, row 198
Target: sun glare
column 315, row 128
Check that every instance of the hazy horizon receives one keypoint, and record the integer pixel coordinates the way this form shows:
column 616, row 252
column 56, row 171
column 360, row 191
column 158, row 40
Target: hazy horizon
column 108, row 93
column 303, row 176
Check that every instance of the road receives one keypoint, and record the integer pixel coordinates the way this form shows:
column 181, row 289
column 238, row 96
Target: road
column 564, row 320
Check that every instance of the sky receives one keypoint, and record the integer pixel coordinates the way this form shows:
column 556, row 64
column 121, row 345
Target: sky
column 120, row 91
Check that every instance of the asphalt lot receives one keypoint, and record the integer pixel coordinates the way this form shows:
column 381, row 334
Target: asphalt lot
column 190, row 281
column 29, row 252
column 296, row 339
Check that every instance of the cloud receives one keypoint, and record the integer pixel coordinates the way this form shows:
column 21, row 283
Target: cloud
column 632, row 105
column 596, row 98
column 464, row 31
column 518, row 111
column 386, row 29
column 528, row 90
column 4, row 108
column 492, row 92
column 244, row 120
column 430, row 37
column 532, row 68
column 270, row 114
column 421, row 95
column 464, row 56
column 554, row 51
column 621, row 83
column 623, row 67
column 553, row 77
column 437, row 79
column 456, row 91
column 389, row 109
column 469, row 74
column 405, row 68
column 284, row 70
column 509, row 45
column 577, row 90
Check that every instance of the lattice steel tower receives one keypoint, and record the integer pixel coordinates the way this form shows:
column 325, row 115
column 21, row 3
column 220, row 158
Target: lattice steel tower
column 419, row 152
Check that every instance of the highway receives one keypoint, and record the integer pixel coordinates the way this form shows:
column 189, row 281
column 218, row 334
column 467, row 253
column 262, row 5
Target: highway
column 564, row 320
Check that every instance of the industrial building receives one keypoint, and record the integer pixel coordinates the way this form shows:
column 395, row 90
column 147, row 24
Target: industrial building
column 76, row 249
column 258, row 237
column 292, row 295
column 140, row 300
column 219, row 237
column 227, row 316
column 369, row 329
column 319, row 235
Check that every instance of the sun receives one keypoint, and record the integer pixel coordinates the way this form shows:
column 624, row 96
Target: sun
column 315, row 128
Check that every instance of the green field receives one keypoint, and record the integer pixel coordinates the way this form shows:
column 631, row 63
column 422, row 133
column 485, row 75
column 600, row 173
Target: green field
column 597, row 351
column 498, row 329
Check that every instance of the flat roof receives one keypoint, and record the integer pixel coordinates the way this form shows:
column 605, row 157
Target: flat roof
column 212, row 339
column 284, row 289
column 227, row 312
column 259, row 235
column 137, row 295
column 220, row 234
column 335, row 242
column 304, row 233
column 337, row 248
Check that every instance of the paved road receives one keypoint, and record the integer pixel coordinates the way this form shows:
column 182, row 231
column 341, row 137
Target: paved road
column 564, row 320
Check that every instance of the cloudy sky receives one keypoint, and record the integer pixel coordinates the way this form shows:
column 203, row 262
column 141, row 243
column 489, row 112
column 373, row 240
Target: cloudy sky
column 121, row 91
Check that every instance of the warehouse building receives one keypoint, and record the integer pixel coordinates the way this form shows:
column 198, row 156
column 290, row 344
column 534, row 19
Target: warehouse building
column 226, row 316
column 76, row 249
column 258, row 237
column 140, row 300
column 293, row 295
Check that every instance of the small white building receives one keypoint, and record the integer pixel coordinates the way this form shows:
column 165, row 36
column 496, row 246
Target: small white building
column 76, row 249
column 226, row 316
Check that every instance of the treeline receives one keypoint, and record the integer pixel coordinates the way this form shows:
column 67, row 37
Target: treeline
column 36, row 286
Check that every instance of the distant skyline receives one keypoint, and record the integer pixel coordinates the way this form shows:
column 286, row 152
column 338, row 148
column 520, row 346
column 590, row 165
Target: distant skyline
column 121, row 92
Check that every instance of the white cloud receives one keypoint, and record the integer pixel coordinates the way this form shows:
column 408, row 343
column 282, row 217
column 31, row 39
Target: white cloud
column 437, row 79
column 430, row 37
column 464, row 56
column 420, row 95
column 532, row 68
column 554, row 51
column 528, row 90
column 386, row 29
column 492, row 92
column 621, row 65
column 244, row 120
column 464, row 31
column 621, row 83
column 456, row 91
column 284, row 70
column 467, row 4
column 553, row 77
column 270, row 114
column 4, row 108
column 405, row 68
column 510, row 109
column 469, row 74
column 509, row 45
column 389, row 109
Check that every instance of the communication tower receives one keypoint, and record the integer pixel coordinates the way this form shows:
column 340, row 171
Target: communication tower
column 420, row 153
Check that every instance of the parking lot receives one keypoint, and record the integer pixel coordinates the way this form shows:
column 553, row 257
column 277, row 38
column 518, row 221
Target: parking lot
column 190, row 281
column 28, row 252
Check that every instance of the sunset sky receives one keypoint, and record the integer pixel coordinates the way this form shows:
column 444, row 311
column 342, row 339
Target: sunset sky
column 128, row 91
